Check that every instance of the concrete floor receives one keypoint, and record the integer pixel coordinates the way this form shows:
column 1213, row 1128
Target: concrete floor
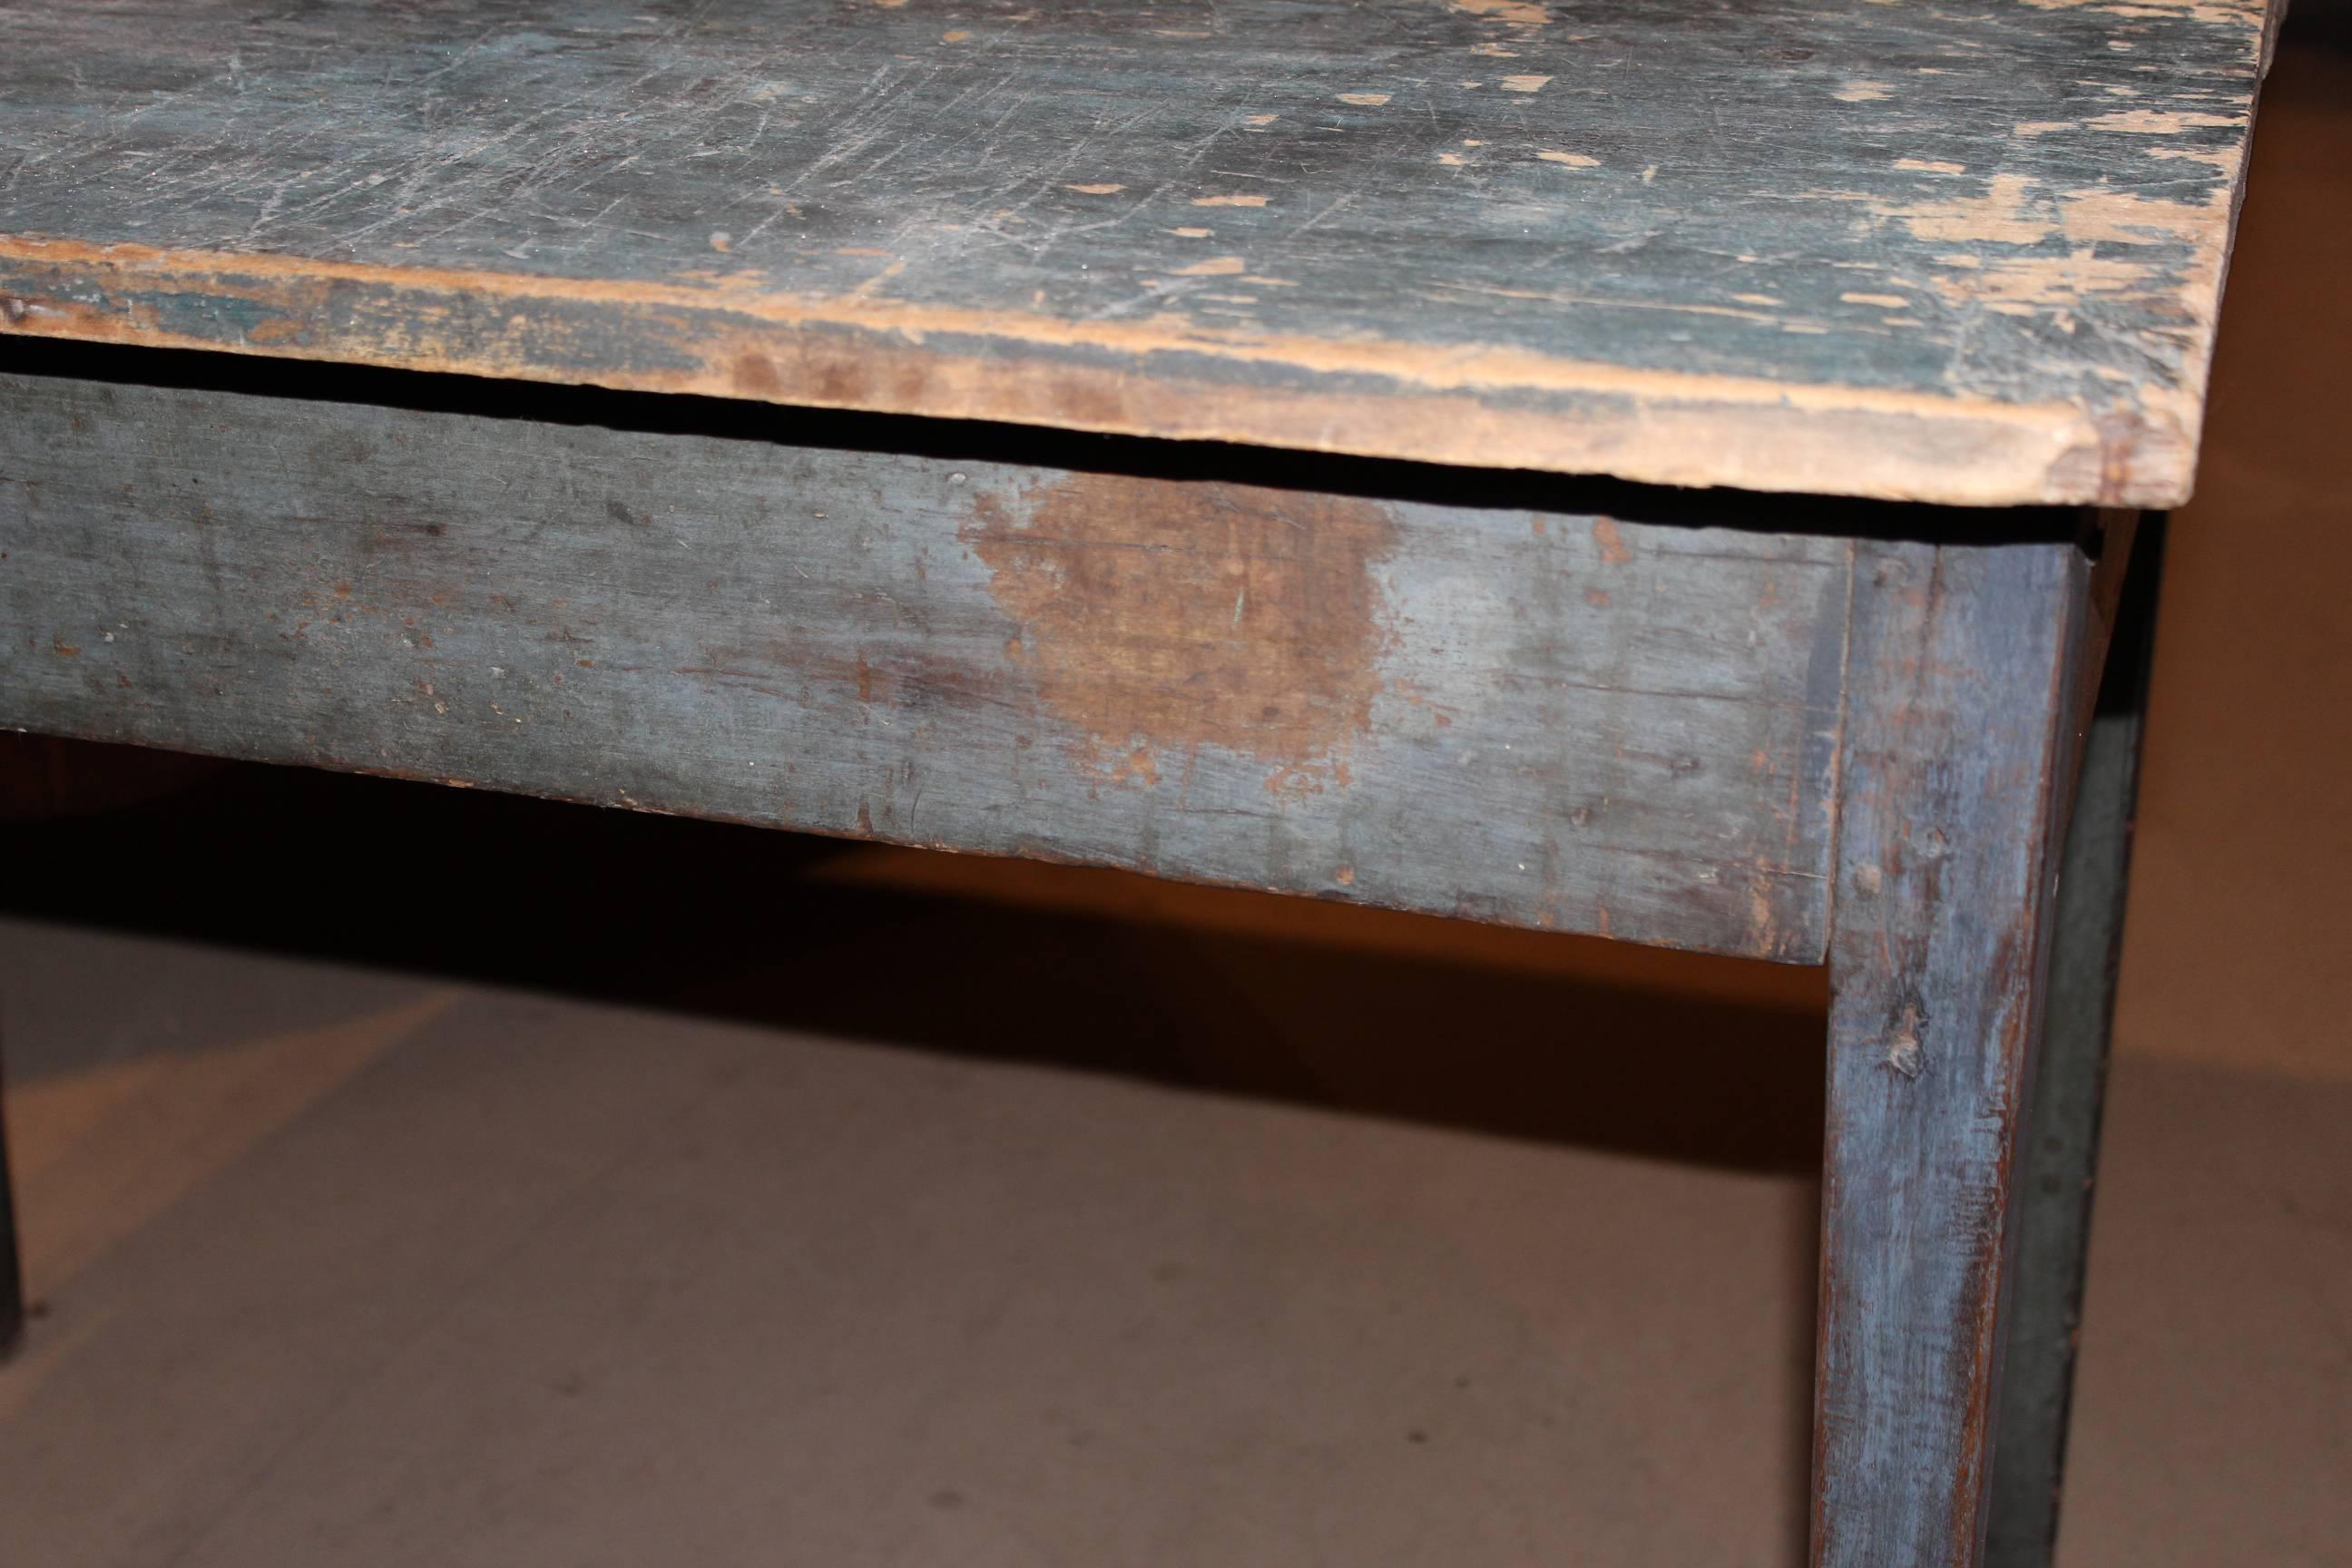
column 649, row 1205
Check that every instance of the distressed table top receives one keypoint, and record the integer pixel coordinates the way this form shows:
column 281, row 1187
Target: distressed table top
column 1968, row 253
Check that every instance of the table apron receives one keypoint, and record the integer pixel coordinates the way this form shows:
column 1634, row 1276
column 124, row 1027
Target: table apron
column 1593, row 724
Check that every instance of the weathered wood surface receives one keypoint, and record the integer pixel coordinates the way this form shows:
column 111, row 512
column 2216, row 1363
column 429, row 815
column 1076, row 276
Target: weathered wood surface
column 1581, row 722
column 1960, row 721
column 1968, row 253
column 2057, row 1159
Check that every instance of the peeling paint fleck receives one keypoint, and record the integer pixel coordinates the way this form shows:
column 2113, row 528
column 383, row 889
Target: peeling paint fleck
column 1517, row 13
column 2154, row 122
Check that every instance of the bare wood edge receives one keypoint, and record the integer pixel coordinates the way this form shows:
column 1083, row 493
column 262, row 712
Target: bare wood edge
column 1416, row 402
column 2273, row 19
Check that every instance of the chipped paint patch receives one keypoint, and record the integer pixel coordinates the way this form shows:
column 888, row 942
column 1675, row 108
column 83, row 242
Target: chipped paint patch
column 1930, row 166
column 2003, row 216
column 2237, row 13
column 1573, row 160
column 1215, row 267
column 1096, row 190
column 1516, row 13
column 2152, row 122
column 2017, row 211
column 1160, row 616
column 2049, row 281
column 1863, row 92
column 1610, row 541
column 1523, row 83
column 1885, row 302
column 1364, row 99
column 1230, row 201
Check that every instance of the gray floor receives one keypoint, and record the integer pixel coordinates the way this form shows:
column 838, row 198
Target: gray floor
column 349, row 1268
column 502, row 1279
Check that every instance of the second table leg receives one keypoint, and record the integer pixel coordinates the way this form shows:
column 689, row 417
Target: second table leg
column 2061, row 1150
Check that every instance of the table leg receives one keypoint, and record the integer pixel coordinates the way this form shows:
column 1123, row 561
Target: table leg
column 1962, row 665
column 11, row 1275
column 2056, row 1161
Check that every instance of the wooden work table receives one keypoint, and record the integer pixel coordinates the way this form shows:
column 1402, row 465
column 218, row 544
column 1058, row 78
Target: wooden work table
column 1665, row 471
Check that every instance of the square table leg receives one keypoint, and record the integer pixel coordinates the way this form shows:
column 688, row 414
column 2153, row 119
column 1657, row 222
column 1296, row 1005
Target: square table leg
column 2058, row 1158
column 1963, row 668
column 12, row 1274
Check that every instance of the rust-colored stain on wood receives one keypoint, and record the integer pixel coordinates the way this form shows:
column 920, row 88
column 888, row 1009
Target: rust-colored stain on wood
column 1158, row 617
column 1610, row 541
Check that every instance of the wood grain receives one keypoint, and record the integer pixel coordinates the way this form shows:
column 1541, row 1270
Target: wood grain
column 1970, row 254
column 1589, row 722
column 1959, row 731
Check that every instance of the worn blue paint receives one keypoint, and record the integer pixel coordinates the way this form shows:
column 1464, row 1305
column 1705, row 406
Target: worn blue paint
column 1959, row 713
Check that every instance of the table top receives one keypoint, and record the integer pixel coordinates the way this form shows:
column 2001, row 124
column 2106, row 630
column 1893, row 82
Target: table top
column 1967, row 254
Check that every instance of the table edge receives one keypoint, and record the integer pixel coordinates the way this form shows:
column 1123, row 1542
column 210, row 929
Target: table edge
column 1478, row 406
